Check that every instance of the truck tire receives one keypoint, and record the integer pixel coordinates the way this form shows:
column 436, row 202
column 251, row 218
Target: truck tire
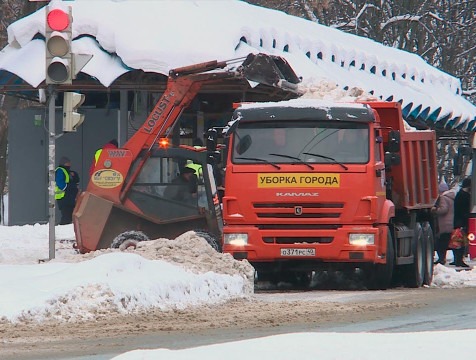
column 210, row 238
column 381, row 275
column 272, row 277
column 415, row 273
column 301, row 279
column 128, row 239
column 429, row 245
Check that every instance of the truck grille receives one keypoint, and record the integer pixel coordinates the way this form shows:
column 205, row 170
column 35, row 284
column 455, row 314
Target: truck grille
column 304, row 240
column 298, row 226
column 293, row 210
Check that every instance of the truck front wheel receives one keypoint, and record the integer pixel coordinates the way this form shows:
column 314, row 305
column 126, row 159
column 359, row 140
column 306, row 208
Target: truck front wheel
column 302, row 279
column 380, row 276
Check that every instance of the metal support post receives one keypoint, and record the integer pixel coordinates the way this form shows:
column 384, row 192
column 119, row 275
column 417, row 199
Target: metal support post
column 51, row 172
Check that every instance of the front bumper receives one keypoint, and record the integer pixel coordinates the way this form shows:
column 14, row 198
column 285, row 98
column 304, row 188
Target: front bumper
column 329, row 245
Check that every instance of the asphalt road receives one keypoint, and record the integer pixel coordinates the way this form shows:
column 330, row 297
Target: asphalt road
column 396, row 310
column 268, row 312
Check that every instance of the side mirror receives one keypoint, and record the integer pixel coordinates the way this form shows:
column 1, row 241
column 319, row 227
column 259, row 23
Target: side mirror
column 230, row 128
column 212, row 140
column 243, row 144
column 394, row 141
column 391, row 159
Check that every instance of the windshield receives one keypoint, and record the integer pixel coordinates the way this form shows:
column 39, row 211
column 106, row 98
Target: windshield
column 161, row 177
column 315, row 142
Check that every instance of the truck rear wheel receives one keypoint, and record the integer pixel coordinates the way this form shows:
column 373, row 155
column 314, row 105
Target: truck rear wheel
column 429, row 246
column 128, row 239
column 210, row 238
column 416, row 272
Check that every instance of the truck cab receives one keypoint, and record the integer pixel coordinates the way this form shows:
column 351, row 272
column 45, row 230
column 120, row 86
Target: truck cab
column 307, row 189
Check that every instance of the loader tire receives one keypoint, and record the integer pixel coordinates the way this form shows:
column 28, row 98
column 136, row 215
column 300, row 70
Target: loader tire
column 210, row 238
column 128, row 239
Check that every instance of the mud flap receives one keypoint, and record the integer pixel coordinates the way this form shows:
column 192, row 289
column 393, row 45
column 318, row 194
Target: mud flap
column 270, row 70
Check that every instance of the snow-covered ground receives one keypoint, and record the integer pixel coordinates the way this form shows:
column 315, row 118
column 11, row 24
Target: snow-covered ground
column 327, row 346
column 181, row 273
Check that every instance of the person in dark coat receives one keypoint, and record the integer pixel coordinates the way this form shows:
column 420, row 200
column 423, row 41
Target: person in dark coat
column 184, row 187
column 67, row 188
column 444, row 210
column 462, row 208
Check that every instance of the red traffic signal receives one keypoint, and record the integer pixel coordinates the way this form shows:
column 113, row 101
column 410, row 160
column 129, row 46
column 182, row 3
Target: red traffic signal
column 58, row 36
column 57, row 20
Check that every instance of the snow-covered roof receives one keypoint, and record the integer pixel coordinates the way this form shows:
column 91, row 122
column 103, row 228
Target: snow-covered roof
column 156, row 36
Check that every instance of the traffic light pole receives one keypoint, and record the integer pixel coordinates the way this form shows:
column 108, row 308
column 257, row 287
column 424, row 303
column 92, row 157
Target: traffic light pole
column 51, row 170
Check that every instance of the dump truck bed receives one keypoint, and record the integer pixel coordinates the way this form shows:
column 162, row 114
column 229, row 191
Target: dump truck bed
column 415, row 180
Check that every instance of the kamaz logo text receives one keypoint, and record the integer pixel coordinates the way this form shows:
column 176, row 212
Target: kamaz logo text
column 158, row 111
column 297, row 194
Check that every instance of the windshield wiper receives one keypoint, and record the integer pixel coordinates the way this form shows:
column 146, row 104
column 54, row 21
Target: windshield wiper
column 295, row 158
column 258, row 159
column 327, row 157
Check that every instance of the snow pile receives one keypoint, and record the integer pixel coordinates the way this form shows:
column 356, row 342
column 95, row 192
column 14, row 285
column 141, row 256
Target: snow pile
column 164, row 274
column 329, row 90
column 160, row 274
column 447, row 277
column 28, row 244
column 188, row 251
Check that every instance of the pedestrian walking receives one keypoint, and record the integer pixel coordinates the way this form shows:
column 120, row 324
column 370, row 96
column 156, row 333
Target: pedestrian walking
column 444, row 210
column 462, row 204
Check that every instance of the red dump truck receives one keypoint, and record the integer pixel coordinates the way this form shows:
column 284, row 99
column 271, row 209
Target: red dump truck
column 314, row 185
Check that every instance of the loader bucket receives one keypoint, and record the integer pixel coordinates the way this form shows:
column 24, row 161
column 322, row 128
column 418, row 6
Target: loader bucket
column 98, row 221
column 270, row 70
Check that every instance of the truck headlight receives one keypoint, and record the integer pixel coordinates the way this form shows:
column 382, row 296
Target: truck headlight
column 236, row 239
column 362, row 239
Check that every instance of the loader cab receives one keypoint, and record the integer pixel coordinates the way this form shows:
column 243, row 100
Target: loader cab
column 169, row 190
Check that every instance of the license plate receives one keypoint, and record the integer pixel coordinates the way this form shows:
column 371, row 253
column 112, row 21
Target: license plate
column 298, row 252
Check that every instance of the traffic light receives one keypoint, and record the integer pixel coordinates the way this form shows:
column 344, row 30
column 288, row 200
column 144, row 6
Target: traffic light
column 59, row 58
column 71, row 118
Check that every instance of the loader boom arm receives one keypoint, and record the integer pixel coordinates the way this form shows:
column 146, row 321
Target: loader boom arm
column 185, row 82
column 182, row 87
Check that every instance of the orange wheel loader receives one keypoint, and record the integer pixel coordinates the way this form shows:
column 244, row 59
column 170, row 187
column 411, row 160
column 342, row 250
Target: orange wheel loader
column 129, row 188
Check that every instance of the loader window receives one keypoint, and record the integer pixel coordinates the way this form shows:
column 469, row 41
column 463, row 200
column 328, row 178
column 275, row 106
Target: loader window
column 344, row 142
column 165, row 183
